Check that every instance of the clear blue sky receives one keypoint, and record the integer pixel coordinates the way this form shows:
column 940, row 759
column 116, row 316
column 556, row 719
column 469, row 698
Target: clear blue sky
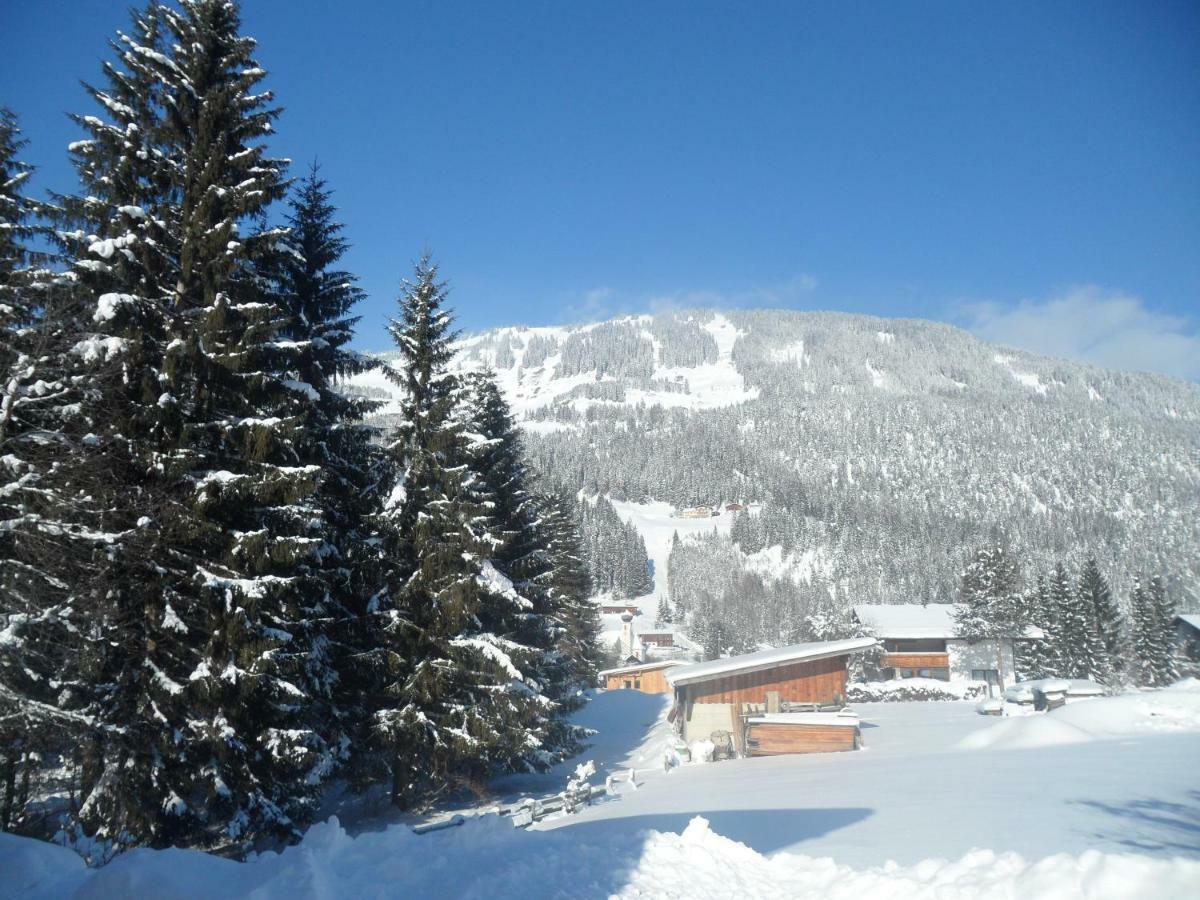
column 567, row 160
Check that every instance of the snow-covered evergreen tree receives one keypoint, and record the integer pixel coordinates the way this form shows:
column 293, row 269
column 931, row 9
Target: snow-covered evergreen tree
column 318, row 298
column 203, row 735
column 42, row 553
column 570, row 591
column 1096, row 594
column 449, row 705
column 662, row 615
column 615, row 550
column 1151, row 657
column 519, row 608
column 1035, row 658
column 1075, row 641
column 989, row 608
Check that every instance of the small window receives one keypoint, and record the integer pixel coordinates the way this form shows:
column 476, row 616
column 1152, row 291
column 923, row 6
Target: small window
column 637, row 684
column 628, row 684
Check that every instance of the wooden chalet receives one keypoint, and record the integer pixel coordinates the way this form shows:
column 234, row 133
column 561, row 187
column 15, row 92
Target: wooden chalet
column 922, row 641
column 765, row 702
column 657, row 638
column 1187, row 635
column 647, row 677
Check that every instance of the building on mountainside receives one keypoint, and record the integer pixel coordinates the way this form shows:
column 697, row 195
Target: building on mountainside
column 1187, row 635
column 921, row 641
column 772, row 701
column 618, row 609
column 647, row 677
column 696, row 512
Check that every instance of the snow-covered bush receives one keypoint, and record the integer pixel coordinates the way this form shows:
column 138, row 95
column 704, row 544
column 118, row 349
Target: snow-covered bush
column 905, row 689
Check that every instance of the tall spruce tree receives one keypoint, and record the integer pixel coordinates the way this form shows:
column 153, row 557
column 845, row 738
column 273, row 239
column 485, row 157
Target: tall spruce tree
column 989, row 609
column 203, row 734
column 1036, row 656
column 77, row 527
column 122, row 233
column 662, row 616
column 1096, row 594
column 1078, row 652
column 570, row 590
column 318, row 298
column 1151, row 656
column 448, row 707
column 519, row 607
column 43, row 550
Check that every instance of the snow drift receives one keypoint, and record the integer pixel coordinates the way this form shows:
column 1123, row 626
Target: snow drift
column 1172, row 709
column 487, row 858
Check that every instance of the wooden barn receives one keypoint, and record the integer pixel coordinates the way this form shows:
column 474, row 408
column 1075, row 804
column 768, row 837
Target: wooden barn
column 760, row 702
column 647, row 677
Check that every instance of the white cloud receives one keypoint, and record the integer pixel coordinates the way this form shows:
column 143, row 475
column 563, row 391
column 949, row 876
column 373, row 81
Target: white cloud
column 601, row 303
column 783, row 294
column 1108, row 329
column 591, row 306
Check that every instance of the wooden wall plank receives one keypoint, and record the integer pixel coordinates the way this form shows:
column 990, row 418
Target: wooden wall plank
column 819, row 681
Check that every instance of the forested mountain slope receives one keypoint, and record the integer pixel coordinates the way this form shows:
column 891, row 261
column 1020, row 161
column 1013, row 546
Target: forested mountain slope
column 881, row 450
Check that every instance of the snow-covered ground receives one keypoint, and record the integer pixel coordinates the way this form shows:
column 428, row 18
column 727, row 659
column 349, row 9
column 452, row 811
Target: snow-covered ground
column 927, row 785
column 1115, row 813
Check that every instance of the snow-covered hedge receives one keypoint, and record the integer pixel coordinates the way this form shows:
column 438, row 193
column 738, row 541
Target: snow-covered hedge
column 903, row 689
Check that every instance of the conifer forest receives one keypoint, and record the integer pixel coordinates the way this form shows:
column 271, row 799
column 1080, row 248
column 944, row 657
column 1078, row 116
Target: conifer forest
column 220, row 589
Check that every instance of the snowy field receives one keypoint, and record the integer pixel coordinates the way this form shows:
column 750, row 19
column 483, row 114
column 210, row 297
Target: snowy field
column 1100, row 799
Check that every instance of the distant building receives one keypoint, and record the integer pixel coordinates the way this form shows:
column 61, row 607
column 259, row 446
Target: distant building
column 1187, row 635
column 768, row 702
column 616, row 609
column 647, row 677
column 697, row 512
column 922, row 641
column 658, row 638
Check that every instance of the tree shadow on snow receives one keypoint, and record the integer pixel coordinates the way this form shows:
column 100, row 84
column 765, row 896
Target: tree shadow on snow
column 620, row 722
column 764, row 830
column 1153, row 826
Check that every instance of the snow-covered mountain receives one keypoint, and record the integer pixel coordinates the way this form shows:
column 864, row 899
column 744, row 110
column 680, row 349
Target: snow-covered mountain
column 881, row 449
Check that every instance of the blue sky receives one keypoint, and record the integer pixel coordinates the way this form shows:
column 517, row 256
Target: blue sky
column 1030, row 171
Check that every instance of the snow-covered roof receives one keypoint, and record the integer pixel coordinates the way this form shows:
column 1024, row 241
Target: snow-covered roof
column 914, row 621
column 838, row 719
column 909, row 620
column 767, row 659
column 1192, row 619
column 641, row 667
